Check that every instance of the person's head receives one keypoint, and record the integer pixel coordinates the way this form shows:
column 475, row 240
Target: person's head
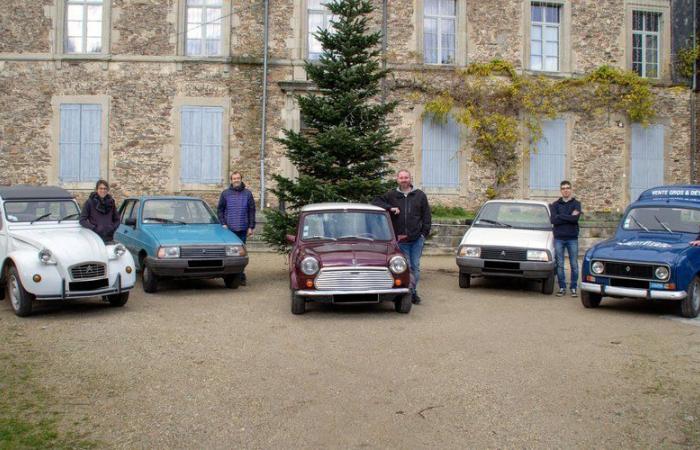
column 403, row 178
column 236, row 179
column 102, row 188
column 565, row 188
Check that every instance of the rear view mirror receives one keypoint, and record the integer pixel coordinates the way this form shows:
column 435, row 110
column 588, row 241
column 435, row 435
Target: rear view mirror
column 291, row 238
column 130, row 222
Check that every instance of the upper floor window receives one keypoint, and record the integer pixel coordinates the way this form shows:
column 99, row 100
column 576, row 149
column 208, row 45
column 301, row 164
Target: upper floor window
column 84, row 26
column 545, row 27
column 646, row 36
column 319, row 18
column 439, row 31
column 204, row 27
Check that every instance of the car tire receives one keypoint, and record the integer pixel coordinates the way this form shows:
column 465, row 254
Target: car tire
column 465, row 280
column 590, row 299
column 117, row 300
column 150, row 279
column 548, row 285
column 20, row 299
column 232, row 281
column 403, row 304
column 298, row 304
column 690, row 305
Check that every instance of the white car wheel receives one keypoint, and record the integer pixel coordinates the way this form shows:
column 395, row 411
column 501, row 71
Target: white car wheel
column 20, row 299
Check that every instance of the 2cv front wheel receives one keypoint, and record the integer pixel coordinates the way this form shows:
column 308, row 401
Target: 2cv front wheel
column 20, row 299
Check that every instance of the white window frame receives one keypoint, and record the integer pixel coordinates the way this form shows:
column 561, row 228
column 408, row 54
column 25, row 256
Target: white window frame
column 564, row 54
column 225, row 42
column 327, row 17
column 644, row 34
column 441, row 18
column 543, row 25
column 662, row 7
column 61, row 28
column 461, row 35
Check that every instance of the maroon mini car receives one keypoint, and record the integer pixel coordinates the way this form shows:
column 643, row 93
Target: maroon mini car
column 347, row 253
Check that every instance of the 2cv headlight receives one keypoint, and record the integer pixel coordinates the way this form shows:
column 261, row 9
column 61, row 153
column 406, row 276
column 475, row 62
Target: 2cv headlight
column 309, row 265
column 46, row 257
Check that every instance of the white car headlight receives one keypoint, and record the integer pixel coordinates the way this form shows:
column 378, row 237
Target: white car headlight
column 46, row 257
column 235, row 250
column 537, row 255
column 119, row 250
column 309, row 265
column 398, row 264
column 467, row 250
column 169, row 252
column 662, row 273
column 597, row 267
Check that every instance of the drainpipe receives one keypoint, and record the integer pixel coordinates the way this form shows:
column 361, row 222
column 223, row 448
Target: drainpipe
column 264, row 105
column 693, row 107
column 385, row 41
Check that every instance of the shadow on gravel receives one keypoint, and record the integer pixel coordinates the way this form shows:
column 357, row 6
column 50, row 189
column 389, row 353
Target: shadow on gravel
column 69, row 308
column 637, row 307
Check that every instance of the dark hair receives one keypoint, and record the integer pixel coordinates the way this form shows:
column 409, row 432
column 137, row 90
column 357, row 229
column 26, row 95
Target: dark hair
column 565, row 183
column 103, row 183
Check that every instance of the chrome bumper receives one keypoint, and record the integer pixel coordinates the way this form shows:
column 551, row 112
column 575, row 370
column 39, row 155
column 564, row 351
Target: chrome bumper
column 315, row 293
column 110, row 290
column 632, row 292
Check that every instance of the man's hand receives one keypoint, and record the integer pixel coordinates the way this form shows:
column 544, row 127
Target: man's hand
column 695, row 243
column 250, row 232
column 576, row 213
column 395, row 211
column 224, row 225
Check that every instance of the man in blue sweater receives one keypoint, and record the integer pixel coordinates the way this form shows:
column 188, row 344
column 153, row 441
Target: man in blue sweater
column 565, row 214
column 236, row 210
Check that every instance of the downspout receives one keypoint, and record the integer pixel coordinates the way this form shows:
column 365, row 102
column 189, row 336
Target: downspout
column 385, row 41
column 264, row 105
column 693, row 107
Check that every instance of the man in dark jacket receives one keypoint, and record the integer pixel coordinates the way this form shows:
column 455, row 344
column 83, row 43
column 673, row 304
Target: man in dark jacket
column 565, row 214
column 99, row 212
column 410, row 216
column 236, row 210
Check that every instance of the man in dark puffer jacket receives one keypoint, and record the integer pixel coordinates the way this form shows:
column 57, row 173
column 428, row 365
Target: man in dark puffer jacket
column 99, row 212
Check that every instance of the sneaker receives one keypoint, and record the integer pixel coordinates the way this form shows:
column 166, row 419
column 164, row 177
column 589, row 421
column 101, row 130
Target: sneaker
column 574, row 293
column 415, row 299
column 561, row 292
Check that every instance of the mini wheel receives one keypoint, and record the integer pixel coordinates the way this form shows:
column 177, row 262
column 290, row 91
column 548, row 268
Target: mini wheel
column 298, row 304
column 403, row 304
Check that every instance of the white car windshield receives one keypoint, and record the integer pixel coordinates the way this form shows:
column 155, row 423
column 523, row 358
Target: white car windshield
column 346, row 225
column 663, row 219
column 514, row 215
column 41, row 210
column 178, row 211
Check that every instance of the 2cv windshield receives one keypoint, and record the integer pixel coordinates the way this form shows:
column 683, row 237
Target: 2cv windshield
column 663, row 219
column 335, row 226
column 41, row 210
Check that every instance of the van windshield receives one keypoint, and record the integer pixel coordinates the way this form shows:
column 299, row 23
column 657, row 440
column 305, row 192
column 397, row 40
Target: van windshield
column 663, row 219
column 513, row 215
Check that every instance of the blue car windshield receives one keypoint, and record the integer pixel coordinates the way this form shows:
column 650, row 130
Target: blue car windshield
column 335, row 226
column 663, row 219
column 177, row 211
column 527, row 216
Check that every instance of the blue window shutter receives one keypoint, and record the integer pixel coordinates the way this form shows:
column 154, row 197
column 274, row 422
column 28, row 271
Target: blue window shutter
column 201, row 144
column 69, row 143
column 90, row 142
column 212, row 144
column 191, row 144
column 440, row 168
column 548, row 160
column 647, row 158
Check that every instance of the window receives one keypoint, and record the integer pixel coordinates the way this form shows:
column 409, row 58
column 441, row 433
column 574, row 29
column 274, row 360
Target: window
column 125, row 210
column 646, row 35
column 440, row 157
column 80, row 142
column 201, row 144
column 646, row 159
column 204, row 26
column 548, row 159
column 439, row 26
column 83, row 33
column 319, row 18
column 545, row 22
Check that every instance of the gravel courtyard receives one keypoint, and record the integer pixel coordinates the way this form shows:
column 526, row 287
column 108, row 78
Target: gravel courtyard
column 497, row 365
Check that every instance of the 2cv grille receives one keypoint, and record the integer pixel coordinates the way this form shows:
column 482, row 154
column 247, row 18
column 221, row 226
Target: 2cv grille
column 87, row 271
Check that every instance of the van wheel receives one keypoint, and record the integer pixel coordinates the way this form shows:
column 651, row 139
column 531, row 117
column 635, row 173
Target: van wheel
column 690, row 305
column 298, row 304
column 403, row 304
column 548, row 285
column 465, row 280
column 117, row 299
column 150, row 280
column 590, row 299
column 20, row 299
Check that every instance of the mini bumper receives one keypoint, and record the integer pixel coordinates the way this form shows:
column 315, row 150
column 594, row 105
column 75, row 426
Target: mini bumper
column 314, row 293
column 116, row 288
column 524, row 269
column 614, row 291
column 196, row 268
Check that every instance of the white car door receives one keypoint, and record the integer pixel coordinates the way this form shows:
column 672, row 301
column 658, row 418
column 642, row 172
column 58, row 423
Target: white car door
column 3, row 233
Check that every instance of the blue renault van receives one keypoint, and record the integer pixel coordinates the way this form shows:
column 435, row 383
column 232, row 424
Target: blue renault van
column 650, row 256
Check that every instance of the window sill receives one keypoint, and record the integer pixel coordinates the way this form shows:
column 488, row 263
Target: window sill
column 204, row 187
column 78, row 185
column 441, row 191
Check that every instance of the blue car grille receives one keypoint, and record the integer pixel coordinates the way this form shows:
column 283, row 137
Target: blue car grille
column 202, row 252
column 627, row 270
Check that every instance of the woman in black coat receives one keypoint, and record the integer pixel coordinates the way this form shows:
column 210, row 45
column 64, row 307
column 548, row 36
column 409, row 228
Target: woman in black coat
column 99, row 212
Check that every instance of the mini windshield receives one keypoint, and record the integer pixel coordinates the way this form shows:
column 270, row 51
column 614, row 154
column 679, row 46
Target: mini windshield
column 346, row 225
column 41, row 210
column 663, row 219
column 514, row 215
column 177, row 211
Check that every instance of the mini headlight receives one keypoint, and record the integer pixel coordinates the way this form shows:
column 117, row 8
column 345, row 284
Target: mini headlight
column 473, row 252
column 597, row 267
column 398, row 264
column 235, row 250
column 169, row 252
column 309, row 265
column 119, row 250
column 537, row 255
column 46, row 257
column 661, row 273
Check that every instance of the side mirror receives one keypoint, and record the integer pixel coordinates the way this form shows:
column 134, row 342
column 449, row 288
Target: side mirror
column 468, row 221
column 401, row 238
column 291, row 238
column 130, row 222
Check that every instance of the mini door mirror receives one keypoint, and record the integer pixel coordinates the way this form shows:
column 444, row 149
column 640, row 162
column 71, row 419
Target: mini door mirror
column 291, row 238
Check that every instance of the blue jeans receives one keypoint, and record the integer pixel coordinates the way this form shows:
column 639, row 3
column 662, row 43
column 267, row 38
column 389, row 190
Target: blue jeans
column 242, row 235
column 413, row 251
column 572, row 247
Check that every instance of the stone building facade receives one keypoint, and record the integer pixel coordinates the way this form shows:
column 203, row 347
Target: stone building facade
column 130, row 90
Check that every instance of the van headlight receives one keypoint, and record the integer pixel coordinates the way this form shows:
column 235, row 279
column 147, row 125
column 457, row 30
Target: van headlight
column 309, row 265
column 662, row 273
column 470, row 251
column 46, row 257
column 169, row 252
column 235, row 250
column 537, row 255
column 597, row 267
column 398, row 264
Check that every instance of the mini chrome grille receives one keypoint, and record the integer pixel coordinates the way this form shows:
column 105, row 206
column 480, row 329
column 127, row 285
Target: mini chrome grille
column 202, row 252
column 354, row 279
column 89, row 270
column 505, row 254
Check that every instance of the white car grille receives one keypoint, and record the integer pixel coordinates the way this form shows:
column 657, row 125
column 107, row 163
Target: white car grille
column 354, row 279
column 86, row 271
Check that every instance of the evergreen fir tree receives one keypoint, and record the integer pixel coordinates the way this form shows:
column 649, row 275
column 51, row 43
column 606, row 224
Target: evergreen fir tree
column 346, row 155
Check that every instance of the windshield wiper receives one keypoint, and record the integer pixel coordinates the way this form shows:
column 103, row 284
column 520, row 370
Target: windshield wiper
column 663, row 225
column 320, row 237
column 39, row 218
column 639, row 224
column 495, row 222
column 356, row 237
column 68, row 217
column 163, row 220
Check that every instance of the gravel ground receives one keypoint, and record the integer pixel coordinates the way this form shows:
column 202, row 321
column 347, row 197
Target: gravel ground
column 497, row 365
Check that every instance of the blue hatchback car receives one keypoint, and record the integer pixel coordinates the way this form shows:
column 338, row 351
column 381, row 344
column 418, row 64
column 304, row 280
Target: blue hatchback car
column 179, row 237
column 650, row 256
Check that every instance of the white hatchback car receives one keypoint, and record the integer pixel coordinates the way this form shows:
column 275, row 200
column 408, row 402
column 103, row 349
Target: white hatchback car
column 509, row 238
column 46, row 255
